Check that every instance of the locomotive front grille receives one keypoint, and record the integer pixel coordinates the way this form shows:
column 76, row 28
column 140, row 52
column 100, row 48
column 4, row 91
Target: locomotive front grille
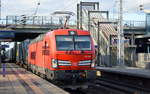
column 64, row 63
column 85, row 63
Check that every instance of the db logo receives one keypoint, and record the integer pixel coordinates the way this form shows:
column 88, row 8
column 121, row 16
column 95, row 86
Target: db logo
column 74, row 64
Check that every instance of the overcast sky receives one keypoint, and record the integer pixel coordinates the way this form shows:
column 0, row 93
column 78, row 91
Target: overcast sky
column 28, row 7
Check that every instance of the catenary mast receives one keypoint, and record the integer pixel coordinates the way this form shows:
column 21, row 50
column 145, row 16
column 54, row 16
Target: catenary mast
column 120, row 45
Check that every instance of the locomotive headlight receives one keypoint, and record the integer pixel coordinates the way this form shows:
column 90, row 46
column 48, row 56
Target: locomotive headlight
column 93, row 63
column 72, row 32
column 54, row 63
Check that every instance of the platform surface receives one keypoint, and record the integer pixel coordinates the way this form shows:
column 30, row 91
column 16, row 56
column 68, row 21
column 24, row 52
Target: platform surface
column 20, row 81
column 130, row 71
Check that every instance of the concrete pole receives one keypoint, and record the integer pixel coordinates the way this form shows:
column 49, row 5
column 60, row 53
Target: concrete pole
column 120, row 45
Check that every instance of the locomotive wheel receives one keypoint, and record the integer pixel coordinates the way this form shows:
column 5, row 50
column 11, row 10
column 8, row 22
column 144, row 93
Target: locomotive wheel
column 34, row 71
column 37, row 73
column 29, row 67
column 50, row 75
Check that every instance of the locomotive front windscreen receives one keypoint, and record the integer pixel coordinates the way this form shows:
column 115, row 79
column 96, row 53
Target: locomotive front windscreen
column 73, row 43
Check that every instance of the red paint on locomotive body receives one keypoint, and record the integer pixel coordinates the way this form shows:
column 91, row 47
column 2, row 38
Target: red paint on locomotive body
column 63, row 49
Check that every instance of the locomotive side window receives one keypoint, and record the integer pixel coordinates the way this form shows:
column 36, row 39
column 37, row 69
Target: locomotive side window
column 45, row 44
column 33, row 55
column 45, row 50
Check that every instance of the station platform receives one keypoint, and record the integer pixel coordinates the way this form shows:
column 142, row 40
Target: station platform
column 129, row 71
column 20, row 81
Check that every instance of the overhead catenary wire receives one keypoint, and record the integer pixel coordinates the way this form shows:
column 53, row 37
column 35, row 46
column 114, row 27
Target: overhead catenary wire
column 66, row 7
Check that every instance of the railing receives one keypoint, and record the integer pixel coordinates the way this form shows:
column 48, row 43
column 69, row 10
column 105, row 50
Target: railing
column 35, row 20
column 131, row 23
column 135, row 24
column 51, row 20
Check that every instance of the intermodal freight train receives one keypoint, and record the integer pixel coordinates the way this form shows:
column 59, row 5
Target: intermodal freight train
column 10, row 55
column 63, row 54
column 22, row 53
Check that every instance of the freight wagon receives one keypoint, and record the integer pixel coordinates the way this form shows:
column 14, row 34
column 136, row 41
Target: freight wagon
column 10, row 55
column 22, row 52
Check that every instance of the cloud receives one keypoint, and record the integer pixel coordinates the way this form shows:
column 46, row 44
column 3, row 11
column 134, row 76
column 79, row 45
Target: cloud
column 19, row 7
column 133, row 5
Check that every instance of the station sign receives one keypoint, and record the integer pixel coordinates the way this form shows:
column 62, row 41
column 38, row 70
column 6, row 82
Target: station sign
column 7, row 34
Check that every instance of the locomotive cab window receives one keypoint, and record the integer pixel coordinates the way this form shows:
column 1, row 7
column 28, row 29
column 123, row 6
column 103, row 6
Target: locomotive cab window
column 64, row 43
column 82, row 43
column 73, row 42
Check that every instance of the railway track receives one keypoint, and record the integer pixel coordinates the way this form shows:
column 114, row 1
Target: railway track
column 103, row 86
column 123, row 87
column 96, row 89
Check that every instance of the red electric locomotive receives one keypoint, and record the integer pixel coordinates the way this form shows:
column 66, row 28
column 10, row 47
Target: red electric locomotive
column 63, row 54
